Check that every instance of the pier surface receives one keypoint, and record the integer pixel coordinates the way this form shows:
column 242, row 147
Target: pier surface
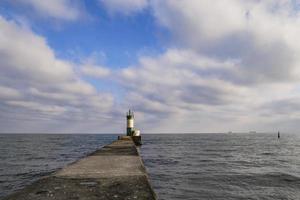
column 115, row 171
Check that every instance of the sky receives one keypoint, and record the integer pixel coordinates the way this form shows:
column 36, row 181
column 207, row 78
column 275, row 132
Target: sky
column 183, row 66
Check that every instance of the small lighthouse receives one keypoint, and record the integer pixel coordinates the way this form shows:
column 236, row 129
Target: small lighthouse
column 131, row 131
column 130, row 123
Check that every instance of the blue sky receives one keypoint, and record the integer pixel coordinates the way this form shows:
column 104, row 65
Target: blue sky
column 183, row 66
column 121, row 39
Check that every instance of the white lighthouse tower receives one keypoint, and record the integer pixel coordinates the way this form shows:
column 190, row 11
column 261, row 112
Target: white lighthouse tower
column 131, row 131
column 130, row 123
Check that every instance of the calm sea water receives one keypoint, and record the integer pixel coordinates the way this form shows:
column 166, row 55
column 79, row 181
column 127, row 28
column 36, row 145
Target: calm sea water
column 199, row 166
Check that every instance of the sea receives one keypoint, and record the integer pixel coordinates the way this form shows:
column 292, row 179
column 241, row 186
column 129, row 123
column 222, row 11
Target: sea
column 180, row 166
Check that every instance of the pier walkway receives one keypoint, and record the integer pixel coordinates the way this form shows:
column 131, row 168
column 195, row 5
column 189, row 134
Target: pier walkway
column 115, row 171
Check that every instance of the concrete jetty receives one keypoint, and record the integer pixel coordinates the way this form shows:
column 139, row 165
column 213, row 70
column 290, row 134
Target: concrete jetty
column 115, row 171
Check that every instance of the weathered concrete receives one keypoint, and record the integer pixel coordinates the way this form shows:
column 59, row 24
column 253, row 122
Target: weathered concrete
column 114, row 172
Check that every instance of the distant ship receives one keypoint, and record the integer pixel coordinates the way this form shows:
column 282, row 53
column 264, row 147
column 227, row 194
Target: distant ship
column 252, row 131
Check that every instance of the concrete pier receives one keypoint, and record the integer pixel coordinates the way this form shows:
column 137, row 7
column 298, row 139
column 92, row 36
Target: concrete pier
column 115, row 171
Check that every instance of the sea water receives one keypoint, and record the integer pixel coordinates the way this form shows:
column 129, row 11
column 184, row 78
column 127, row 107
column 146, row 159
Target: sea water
column 180, row 166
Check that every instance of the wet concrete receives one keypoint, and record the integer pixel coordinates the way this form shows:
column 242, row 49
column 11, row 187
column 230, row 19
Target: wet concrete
column 116, row 171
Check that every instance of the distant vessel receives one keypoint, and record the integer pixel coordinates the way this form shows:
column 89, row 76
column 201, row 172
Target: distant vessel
column 252, row 131
column 278, row 135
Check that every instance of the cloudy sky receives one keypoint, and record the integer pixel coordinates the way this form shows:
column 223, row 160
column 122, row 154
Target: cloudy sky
column 76, row 66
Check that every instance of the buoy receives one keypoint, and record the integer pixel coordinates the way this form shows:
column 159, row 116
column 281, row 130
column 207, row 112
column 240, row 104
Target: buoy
column 278, row 135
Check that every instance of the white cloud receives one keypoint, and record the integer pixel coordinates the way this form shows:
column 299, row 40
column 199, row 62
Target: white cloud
column 49, row 109
column 182, row 90
column 43, row 87
column 173, row 83
column 57, row 96
column 95, row 71
column 27, row 54
column 77, row 87
column 205, row 20
column 262, row 35
column 58, row 9
column 233, row 65
column 125, row 7
column 9, row 93
column 233, row 60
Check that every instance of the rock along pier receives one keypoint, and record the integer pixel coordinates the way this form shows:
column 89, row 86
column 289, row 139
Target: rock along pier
column 115, row 171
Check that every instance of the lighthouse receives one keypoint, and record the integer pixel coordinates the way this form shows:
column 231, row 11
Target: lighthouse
column 130, row 123
column 131, row 131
